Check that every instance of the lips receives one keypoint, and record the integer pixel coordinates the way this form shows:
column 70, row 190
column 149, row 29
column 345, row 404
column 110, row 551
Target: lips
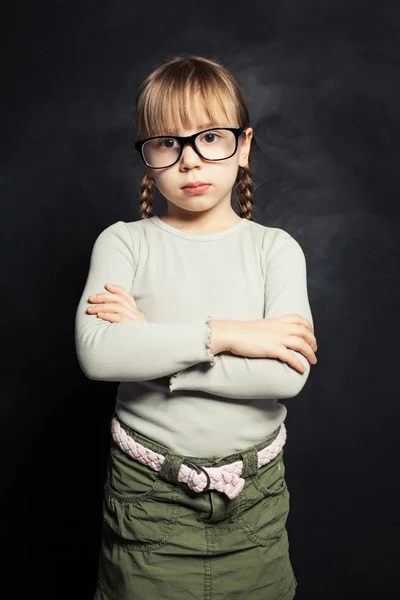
column 195, row 184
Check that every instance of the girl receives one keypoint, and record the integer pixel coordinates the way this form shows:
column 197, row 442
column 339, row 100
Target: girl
column 205, row 323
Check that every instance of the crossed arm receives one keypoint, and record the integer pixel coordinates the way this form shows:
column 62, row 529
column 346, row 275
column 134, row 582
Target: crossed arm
column 130, row 351
column 260, row 378
column 140, row 351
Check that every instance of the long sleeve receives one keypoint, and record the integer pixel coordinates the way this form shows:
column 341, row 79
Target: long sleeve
column 261, row 378
column 130, row 351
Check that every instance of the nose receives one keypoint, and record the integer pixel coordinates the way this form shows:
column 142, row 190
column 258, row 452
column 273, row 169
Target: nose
column 189, row 157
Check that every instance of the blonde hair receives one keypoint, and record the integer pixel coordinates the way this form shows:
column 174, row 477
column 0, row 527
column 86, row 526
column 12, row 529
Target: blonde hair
column 168, row 86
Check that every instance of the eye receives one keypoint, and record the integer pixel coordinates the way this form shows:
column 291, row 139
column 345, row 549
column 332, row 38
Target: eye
column 166, row 142
column 209, row 135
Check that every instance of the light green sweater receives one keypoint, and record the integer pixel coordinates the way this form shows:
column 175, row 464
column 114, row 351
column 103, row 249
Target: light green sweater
column 171, row 388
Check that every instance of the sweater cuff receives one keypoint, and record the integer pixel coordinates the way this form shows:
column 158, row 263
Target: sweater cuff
column 213, row 359
column 211, row 356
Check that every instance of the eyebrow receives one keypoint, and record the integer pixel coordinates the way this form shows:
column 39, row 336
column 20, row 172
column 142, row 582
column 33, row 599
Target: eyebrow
column 206, row 125
column 202, row 126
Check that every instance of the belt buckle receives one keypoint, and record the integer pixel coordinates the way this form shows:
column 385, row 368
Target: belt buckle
column 199, row 470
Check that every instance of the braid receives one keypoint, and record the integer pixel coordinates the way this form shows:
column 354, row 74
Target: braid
column 147, row 189
column 244, row 193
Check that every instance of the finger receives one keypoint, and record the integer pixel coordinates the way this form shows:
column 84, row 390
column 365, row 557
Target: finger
column 298, row 320
column 111, row 317
column 115, row 298
column 120, row 290
column 120, row 318
column 303, row 321
column 291, row 359
column 111, row 307
column 126, row 314
column 102, row 297
column 297, row 343
column 302, row 331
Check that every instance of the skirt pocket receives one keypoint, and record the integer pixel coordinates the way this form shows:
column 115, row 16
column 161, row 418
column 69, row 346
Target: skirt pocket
column 139, row 509
column 265, row 507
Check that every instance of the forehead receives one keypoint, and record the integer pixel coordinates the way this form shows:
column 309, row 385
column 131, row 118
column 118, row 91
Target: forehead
column 184, row 116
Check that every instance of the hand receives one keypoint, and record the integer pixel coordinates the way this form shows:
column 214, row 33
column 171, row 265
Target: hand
column 116, row 306
column 275, row 338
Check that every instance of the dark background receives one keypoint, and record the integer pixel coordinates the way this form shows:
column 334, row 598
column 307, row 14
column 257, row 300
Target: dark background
column 323, row 88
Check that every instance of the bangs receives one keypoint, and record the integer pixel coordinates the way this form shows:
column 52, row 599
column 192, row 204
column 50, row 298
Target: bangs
column 180, row 103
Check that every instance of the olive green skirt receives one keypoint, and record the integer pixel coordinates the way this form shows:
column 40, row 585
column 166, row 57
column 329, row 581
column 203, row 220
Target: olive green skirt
column 163, row 541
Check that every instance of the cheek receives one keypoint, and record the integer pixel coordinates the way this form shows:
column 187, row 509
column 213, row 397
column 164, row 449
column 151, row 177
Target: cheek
column 164, row 179
column 226, row 170
column 229, row 171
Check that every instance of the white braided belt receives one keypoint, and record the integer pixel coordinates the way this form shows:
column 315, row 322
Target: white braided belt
column 224, row 479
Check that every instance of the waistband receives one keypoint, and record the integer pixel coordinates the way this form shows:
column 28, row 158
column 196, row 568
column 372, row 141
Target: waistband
column 225, row 474
column 205, row 461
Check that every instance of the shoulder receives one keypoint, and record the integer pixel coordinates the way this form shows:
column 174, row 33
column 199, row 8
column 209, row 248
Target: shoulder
column 276, row 243
column 121, row 239
column 126, row 228
column 272, row 238
column 124, row 232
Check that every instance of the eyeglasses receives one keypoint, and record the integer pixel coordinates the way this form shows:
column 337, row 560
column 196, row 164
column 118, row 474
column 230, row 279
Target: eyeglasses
column 160, row 151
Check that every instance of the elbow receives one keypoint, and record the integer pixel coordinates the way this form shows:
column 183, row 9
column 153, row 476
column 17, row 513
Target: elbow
column 89, row 351
column 90, row 368
column 298, row 384
column 89, row 359
column 295, row 381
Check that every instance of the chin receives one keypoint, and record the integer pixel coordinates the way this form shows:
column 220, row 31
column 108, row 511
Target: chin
column 194, row 203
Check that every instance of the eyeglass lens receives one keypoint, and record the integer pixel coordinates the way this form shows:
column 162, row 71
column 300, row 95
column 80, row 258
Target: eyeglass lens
column 212, row 145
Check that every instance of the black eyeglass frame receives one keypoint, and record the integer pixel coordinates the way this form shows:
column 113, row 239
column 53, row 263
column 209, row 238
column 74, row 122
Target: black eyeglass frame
column 189, row 139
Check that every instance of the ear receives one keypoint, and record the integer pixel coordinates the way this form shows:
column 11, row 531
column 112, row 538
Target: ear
column 244, row 148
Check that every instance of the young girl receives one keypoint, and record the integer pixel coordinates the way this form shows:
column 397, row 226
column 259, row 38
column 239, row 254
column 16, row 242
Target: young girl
column 203, row 318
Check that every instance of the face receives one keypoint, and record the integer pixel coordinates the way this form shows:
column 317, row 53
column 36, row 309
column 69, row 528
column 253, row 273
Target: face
column 221, row 175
